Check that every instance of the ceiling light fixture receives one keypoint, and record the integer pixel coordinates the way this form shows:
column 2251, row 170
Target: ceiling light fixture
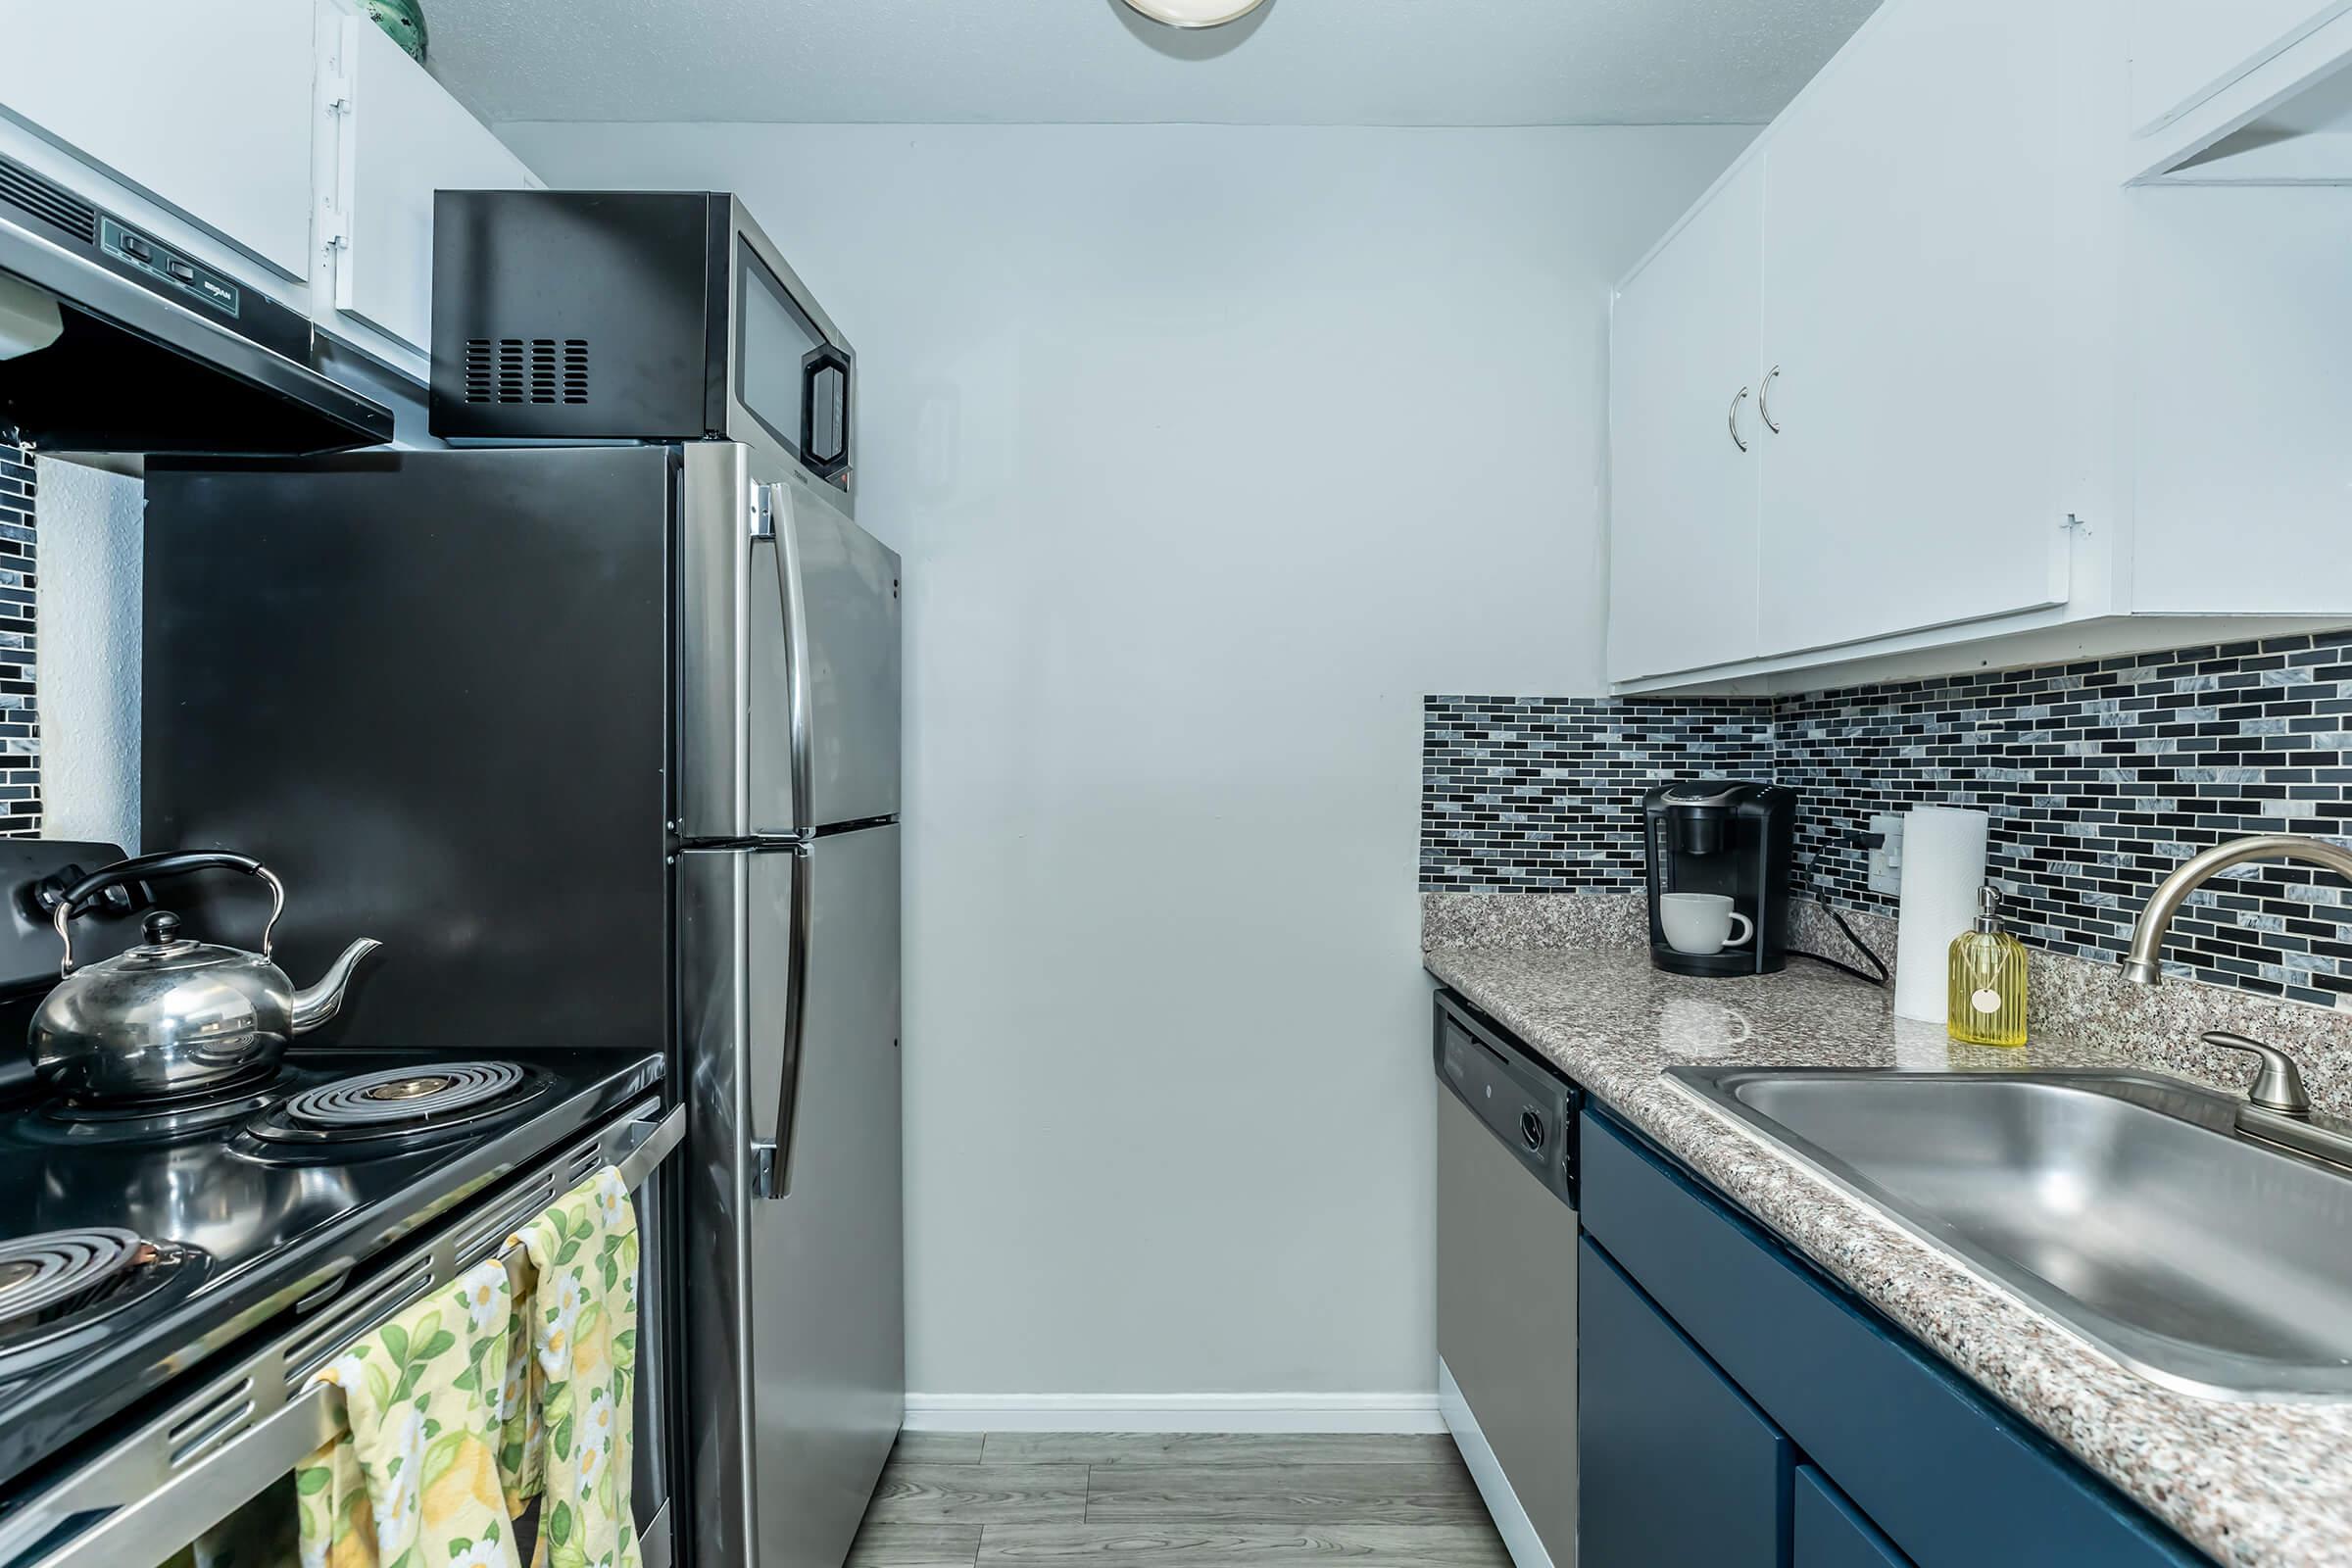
column 1196, row 13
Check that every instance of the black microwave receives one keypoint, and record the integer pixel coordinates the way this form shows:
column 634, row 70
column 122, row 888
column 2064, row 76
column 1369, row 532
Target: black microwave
column 630, row 316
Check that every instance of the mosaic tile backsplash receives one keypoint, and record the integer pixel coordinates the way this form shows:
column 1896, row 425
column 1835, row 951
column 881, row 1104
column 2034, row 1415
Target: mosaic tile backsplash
column 1544, row 795
column 2099, row 778
column 19, row 711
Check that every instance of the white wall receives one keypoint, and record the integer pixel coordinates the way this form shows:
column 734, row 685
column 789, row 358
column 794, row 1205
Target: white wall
column 87, row 620
column 1211, row 450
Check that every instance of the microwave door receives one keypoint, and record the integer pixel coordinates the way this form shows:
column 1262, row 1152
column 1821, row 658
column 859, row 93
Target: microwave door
column 828, row 707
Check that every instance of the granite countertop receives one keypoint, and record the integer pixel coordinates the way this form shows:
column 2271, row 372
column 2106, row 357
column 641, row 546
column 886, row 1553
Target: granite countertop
column 2258, row 1485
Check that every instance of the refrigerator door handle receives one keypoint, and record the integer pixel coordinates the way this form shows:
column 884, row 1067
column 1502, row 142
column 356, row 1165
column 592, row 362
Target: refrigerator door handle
column 773, row 526
column 771, row 1153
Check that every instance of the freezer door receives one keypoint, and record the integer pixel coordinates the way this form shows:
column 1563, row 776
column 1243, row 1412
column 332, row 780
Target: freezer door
column 797, row 1347
column 840, row 588
column 788, row 658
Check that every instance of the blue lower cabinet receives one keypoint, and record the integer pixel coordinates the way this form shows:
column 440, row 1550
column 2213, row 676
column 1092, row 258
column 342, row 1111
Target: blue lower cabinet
column 1678, row 1468
column 1912, row 1443
column 1831, row 1532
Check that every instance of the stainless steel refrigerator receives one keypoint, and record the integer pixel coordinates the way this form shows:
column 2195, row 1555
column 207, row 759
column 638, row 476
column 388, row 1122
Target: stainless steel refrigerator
column 602, row 742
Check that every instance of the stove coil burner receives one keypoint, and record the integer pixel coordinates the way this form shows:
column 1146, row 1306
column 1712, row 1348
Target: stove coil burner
column 41, row 1272
column 403, row 1096
column 61, row 1282
column 157, row 1117
column 396, row 1109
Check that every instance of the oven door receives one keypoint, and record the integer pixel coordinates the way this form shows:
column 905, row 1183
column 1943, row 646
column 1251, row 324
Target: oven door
column 790, row 378
column 209, row 1482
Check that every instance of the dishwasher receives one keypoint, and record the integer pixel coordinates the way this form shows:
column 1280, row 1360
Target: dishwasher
column 1507, row 1278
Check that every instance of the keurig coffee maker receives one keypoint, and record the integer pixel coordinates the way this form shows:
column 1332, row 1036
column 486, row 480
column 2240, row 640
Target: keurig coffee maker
column 1713, row 841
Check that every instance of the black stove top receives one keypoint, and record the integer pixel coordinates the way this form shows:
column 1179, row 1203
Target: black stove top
column 136, row 1239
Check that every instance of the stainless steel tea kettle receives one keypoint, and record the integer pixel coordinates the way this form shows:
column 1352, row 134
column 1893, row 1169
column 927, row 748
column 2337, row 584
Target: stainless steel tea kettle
column 173, row 1016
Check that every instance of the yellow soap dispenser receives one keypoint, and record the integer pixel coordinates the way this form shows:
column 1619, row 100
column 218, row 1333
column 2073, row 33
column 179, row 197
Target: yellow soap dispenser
column 1988, row 980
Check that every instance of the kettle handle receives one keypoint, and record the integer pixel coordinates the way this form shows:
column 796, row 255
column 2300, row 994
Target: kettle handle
column 146, row 868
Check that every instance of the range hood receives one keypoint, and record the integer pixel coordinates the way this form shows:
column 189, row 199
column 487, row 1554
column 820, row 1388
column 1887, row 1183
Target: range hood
column 112, row 340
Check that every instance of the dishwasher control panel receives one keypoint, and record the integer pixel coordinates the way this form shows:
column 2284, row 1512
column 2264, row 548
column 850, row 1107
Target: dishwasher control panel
column 1530, row 1108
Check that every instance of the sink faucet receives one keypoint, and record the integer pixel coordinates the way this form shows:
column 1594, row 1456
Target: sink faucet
column 2147, row 937
column 2278, row 1110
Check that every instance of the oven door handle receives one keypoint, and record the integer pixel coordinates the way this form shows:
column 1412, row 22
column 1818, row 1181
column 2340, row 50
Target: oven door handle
column 153, row 1508
column 203, row 1494
column 193, row 1502
column 655, row 1142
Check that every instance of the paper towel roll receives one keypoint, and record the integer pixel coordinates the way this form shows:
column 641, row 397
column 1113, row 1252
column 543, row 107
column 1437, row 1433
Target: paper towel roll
column 1944, row 866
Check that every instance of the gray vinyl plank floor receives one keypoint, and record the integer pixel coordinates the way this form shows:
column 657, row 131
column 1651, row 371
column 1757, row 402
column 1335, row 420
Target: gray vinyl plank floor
column 924, row 1494
column 1175, row 1501
column 941, row 1447
column 884, row 1545
column 1225, row 1544
column 1293, row 1492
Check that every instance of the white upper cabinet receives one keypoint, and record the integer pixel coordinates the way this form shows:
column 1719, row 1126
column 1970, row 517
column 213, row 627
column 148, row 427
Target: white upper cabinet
column 1683, row 427
column 2013, row 403
column 294, row 131
column 2185, row 51
column 208, row 109
column 2253, row 92
column 396, row 138
column 1912, row 333
column 2241, row 395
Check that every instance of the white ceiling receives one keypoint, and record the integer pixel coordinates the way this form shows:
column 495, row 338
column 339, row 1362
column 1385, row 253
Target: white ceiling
column 1298, row 62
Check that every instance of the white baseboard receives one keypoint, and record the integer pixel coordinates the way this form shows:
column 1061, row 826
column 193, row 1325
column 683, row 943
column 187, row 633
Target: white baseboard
column 1518, row 1531
column 1173, row 1412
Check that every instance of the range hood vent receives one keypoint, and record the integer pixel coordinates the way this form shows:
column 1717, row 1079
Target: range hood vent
column 54, row 204
column 155, row 350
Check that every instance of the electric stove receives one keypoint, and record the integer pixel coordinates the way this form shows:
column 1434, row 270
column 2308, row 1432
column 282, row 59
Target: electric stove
column 137, row 1238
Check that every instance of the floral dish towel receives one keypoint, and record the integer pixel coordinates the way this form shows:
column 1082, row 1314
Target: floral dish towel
column 567, row 1433
column 413, row 1482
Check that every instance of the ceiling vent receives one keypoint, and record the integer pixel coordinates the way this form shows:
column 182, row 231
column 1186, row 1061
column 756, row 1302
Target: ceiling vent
column 520, row 369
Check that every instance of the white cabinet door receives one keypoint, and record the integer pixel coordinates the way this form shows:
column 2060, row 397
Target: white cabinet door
column 205, row 108
column 1912, row 303
column 403, row 138
column 2241, row 399
column 1683, row 344
column 2183, row 51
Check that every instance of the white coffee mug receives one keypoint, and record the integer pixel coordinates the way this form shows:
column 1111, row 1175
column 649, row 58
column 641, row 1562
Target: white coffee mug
column 1700, row 923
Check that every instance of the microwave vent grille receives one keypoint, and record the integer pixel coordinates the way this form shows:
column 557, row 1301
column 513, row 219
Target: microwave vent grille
column 59, row 208
column 526, row 369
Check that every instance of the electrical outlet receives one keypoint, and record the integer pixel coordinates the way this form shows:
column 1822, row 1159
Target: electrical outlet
column 1887, row 861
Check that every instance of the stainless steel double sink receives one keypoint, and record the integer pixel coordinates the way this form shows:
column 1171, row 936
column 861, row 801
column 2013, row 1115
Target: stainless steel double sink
column 2123, row 1203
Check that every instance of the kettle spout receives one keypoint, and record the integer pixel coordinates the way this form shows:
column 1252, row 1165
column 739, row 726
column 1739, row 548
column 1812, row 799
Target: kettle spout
column 315, row 1005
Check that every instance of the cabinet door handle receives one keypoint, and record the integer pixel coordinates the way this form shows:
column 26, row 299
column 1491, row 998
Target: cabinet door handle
column 1738, row 439
column 1764, row 400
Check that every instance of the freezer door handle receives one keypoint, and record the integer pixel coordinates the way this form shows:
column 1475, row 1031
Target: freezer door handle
column 771, row 1149
column 775, row 537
